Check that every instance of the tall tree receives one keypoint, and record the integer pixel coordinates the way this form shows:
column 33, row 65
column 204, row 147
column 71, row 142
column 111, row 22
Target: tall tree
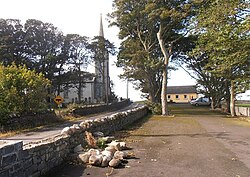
column 209, row 84
column 154, row 22
column 141, row 67
column 42, row 40
column 99, row 50
column 76, row 48
column 171, row 19
column 139, row 53
column 12, row 42
column 224, row 36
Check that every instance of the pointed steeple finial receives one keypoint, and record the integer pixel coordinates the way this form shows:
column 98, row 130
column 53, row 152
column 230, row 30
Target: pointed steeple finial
column 101, row 33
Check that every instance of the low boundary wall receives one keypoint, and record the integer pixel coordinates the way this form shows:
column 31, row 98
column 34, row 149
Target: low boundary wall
column 101, row 108
column 37, row 158
column 242, row 111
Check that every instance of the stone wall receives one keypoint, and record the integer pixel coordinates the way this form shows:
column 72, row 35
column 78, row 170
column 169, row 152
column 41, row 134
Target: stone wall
column 91, row 109
column 36, row 158
column 242, row 111
column 38, row 119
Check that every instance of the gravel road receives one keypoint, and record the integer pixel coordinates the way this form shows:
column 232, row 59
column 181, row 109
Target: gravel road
column 194, row 143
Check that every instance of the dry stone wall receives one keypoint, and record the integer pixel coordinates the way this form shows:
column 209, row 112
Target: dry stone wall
column 93, row 109
column 36, row 158
column 242, row 111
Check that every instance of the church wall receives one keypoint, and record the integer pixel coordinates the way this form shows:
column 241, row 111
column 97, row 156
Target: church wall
column 87, row 94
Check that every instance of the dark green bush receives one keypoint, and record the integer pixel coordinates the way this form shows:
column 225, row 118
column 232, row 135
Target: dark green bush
column 22, row 91
column 155, row 108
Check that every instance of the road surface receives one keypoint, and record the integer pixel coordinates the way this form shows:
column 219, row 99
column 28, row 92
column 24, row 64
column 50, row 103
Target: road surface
column 194, row 143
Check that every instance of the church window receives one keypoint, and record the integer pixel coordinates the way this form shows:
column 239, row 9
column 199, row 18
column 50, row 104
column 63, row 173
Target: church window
column 66, row 92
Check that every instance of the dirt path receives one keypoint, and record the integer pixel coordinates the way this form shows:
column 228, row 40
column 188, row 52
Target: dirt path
column 194, row 143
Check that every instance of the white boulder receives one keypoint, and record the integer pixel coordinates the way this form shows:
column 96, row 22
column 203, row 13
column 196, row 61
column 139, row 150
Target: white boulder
column 114, row 163
column 95, row 160
column 66, row 131
column 84, row 157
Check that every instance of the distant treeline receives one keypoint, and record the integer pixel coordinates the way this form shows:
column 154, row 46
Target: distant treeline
column 44, row 48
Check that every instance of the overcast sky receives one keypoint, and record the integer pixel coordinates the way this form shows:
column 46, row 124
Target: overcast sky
column 80, row 17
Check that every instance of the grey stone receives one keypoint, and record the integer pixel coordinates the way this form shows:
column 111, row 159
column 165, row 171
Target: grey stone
column 27, row 163
column 31, row 170
column 9, row 149
column 18, row 146
column 18, row 166
column 36, row 174
column 9, row 159
column 18, row 173
column 4, row 173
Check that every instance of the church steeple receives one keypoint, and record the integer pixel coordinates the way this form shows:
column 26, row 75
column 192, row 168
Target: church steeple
column 101, row 33
column 102, row 86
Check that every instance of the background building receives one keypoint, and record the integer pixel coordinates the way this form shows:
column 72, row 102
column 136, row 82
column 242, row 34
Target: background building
column 181, row 94
column 95, row 89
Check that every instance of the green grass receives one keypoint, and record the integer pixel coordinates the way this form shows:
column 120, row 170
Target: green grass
column 243, row 105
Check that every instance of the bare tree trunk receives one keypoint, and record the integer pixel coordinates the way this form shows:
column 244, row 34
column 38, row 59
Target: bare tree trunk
column 164, row 92
column 232, row 100
column 212, row 103
column 164, row 74
column 228, row 94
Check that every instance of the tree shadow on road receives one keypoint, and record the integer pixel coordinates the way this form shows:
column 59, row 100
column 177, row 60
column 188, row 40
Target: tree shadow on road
column 126, row 132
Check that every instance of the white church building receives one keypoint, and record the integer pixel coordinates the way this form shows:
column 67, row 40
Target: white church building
column 96, row 89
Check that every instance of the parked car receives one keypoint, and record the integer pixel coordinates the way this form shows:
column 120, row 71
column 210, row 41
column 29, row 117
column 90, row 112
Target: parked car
column 200, row 102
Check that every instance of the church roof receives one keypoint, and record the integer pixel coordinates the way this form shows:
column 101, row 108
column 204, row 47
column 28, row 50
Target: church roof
column 181, row 89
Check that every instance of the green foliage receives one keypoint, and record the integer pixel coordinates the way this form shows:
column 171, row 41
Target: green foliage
column 101, row 143
column 243, row 105
column 224, row 36
column 154, row 107
column 22, row 91
column 99, row 50
column 43, row 47
column 223, row 28
column 140, row 54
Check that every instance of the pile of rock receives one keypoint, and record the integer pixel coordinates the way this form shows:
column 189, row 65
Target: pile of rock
column 111, row 156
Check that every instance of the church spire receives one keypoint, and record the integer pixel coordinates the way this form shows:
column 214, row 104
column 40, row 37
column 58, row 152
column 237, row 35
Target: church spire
column 101, row 33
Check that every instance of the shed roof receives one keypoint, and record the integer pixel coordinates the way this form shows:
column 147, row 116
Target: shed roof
column 181, row 89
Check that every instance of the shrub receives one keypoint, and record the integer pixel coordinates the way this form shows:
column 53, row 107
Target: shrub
column 155, row 108
column 22, row 91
